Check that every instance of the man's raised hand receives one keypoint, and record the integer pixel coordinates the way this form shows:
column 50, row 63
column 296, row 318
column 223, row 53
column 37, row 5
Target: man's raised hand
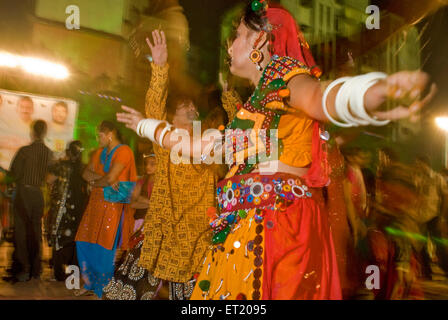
column 159, row 51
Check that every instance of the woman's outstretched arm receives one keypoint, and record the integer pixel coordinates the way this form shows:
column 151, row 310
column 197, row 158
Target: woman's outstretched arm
column 307, row 93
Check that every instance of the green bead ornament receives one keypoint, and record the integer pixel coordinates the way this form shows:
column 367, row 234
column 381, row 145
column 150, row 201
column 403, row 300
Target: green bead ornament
column 242, row 214
column 221, row 236
column 256, row 5
column 204, row 285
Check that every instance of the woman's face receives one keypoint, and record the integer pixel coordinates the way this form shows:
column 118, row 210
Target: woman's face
column 150, row 165
column 104, row 138
column 239, row 52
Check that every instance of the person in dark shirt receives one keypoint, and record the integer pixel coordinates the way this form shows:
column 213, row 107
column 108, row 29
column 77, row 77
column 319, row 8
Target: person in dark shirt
column 29, row 168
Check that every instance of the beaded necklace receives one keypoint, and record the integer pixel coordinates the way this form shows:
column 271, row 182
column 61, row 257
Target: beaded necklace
column 261, row 113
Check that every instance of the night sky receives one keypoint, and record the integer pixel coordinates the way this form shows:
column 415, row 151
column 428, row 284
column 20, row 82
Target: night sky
column 204, row 18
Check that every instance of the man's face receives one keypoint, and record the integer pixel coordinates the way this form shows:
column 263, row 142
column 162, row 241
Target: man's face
column 185, row 114
column 59, row 114
column 25, row 110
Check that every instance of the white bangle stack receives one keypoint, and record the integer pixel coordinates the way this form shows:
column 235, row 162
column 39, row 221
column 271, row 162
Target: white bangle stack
column 147, row 128
column 343, row 103
column 349, row 102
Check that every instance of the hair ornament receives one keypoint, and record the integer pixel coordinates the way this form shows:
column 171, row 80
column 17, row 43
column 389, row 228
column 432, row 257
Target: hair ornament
column 258, row 5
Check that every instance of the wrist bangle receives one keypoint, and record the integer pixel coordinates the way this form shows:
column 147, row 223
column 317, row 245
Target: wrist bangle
column 342, row 103
column 147, row 128
column 139, row 127
column 357, row 98
column 165, row 130
column 349, row 101
column 324, row 102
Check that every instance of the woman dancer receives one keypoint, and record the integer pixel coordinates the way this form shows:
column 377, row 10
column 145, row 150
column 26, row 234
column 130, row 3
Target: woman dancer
column 272, row 239
column 108, row 221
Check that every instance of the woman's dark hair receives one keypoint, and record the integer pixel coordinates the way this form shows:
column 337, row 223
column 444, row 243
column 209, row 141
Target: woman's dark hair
column 254, row 20
column 74, row 150
column 74, row 153
column 39, row 129
column 147, row 157
column 108, row 126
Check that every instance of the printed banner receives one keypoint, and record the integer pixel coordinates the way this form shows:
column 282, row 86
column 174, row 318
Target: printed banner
column 18, row 111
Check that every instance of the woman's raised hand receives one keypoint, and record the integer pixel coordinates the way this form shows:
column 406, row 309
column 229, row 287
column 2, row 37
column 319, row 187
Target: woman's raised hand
column 159, row 51
column 130, row 118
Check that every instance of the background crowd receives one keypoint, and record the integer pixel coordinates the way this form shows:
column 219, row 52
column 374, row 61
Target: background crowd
column 383, row 211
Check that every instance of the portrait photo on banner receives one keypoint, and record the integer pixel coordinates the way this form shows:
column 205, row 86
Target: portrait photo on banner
column 18, row 110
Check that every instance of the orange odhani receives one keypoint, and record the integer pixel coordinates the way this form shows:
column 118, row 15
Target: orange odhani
column 272, row 239
column 100, row 221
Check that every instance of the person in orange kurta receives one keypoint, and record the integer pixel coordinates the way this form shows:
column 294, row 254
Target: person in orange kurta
column 108, row 220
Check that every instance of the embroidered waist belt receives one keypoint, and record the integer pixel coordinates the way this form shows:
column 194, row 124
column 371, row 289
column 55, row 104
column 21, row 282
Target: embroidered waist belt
column 240, row 194
column 254, row 191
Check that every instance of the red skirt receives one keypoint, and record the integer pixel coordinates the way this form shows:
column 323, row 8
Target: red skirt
column 300, row 260
column 281, row 247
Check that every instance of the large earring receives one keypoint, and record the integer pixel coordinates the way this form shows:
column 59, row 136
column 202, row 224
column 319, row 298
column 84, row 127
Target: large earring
column 256, row 56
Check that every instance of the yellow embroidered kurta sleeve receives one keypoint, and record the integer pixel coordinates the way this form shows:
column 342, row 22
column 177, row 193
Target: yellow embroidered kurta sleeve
column 177, row 232
column 155, row 102
column 230, row 99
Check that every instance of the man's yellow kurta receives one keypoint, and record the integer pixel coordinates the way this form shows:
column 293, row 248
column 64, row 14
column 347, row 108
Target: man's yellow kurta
column 177, row 233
